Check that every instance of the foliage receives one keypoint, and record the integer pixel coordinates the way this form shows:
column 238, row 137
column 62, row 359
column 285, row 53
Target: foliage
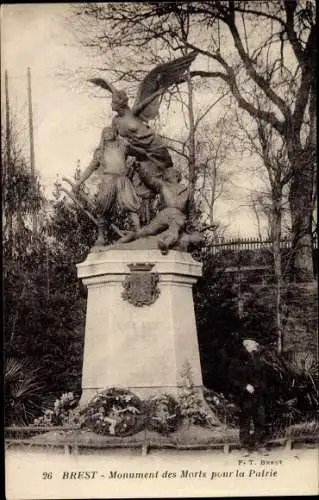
column 163, row 414
column 300, row 311
column 217, row 319
column 259, row 322
column 44, row 311
column 226, row 411
column 41, row 294
column 310, row 428
column 304, row 365
column 44, row 316
column 302, row 378
column 69, row 227
column 22, row 194
column 115, row 411
column 292, row 389
column 291, row 385
column 23, row 388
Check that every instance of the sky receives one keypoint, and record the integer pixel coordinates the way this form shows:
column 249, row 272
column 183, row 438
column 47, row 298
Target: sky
column 68, row 120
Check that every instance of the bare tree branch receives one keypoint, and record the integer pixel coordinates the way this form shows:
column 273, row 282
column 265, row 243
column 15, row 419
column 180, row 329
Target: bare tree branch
column 259, row 79
column 290, row 6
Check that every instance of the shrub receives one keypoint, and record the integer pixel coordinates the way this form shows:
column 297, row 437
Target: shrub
column 292, row 393
column 192, row 404
column 23, row 392
column 226, row 411
column 304, row 429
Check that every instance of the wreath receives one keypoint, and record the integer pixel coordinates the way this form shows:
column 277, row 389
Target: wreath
column 164, row 414
column 115, row 412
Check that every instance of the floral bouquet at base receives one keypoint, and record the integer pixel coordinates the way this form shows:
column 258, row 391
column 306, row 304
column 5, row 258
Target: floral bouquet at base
column 115, row 412
column 64, row 412
column 164, row 414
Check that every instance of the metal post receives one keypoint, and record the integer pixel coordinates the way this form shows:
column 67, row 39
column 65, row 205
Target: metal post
column 7, row 163
column 32, row 157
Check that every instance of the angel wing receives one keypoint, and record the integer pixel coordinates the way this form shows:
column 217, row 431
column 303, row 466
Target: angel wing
column 156, row 82
column 104, row 84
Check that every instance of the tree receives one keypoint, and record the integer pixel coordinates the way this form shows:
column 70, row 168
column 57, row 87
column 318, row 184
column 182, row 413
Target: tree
column 22, row 197
column 273, row 52
column 213, row 173
column 22, row 194
column 44, row 306
column 259, row 138
column 280, row 64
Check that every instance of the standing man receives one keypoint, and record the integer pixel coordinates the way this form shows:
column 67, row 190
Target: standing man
column 248, row 381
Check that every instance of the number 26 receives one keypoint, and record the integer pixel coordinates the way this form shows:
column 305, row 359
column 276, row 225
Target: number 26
column 46, row 475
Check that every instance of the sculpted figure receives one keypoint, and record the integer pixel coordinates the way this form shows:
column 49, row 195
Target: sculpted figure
column 143, row 143
column 130, row 135
column 171, row 219
column 115, row 185
column 132, row 123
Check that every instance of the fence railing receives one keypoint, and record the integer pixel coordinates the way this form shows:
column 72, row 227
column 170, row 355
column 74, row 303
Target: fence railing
column 240, row 244
column 281, row 433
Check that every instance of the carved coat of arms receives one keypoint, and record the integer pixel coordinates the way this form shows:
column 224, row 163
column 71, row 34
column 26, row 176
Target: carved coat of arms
column 140, row 286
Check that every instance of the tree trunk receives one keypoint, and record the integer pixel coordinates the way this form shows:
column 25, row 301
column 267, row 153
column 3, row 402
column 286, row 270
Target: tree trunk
column 301, row 207
column 213, row 196
column 276, row 235
column 276, row 241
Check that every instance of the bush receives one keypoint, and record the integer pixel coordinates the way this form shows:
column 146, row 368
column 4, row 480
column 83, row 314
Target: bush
column 192, row 404
column 24, row 390
column 308, row 429
column 226, row 411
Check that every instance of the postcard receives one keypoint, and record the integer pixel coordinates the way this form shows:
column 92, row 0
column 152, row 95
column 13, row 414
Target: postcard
column 160, row 249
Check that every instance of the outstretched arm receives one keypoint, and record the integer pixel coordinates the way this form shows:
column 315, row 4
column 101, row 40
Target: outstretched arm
column 94, row 163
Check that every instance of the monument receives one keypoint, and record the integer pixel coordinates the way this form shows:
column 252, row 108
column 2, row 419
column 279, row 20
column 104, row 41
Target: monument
column 140, row 324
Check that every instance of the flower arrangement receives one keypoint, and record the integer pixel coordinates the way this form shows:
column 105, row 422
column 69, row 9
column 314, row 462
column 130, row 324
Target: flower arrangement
column 164, row 415
column 63, row 413
column 119, row 412
column 114, row 411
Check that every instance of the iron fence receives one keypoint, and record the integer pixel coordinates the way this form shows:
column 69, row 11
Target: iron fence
column 239, row 244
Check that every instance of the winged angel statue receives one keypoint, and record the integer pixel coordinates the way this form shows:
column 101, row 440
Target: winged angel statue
column 131, row 135
column 132, row 124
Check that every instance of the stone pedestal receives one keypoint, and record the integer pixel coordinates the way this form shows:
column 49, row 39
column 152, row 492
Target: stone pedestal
column 139, row 347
